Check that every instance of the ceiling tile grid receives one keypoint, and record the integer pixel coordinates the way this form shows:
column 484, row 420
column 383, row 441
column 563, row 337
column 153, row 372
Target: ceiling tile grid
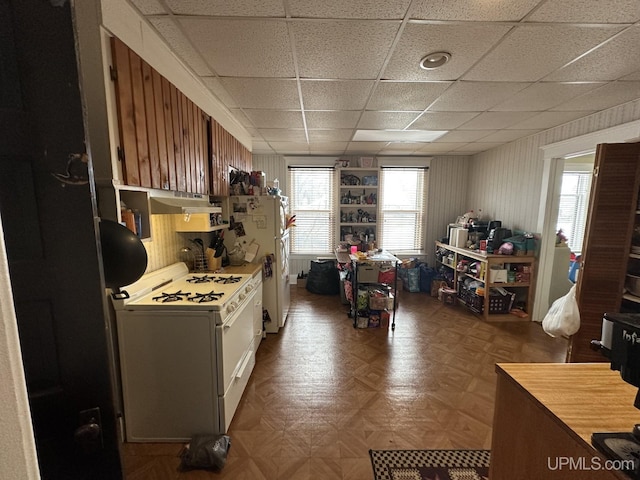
column 302, row 77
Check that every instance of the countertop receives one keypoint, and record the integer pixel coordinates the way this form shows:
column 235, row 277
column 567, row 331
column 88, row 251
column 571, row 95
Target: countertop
column 247, row 268
column 586, row 397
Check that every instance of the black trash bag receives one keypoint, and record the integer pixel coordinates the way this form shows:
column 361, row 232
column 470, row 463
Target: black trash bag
column 323, row 278
column 206, row 452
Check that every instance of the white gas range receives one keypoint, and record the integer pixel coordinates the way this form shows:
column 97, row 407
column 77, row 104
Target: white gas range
column 187, row 347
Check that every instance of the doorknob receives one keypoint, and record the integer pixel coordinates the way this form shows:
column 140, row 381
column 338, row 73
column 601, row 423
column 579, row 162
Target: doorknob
column 89, row 434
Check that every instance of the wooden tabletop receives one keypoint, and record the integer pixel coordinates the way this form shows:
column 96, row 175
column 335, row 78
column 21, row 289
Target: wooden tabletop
column 586, row 397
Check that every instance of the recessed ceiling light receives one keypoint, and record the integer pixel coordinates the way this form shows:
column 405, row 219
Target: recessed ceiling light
column 397, row 135
column 434, row 60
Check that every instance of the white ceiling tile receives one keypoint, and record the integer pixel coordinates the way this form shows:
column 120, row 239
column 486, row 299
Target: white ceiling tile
column 149, row 7
column 216, row 87
column 588, row 11
column 386, row 120
column 331, row 135
column 328, row 148
column 237, row 8
column 613, row 60
column 332, row 119
column 495, row 120
column 268, row 93
column 275, row 118
column 465, row 43
column 331, row 49
column 260, row 147
column 404, row 148
column 440, row 147
column 283, row 135
column 632, row 76
column 512, row 10
column 442, row 120
column 463, row 136
column 329, row 95
column 477, row 147
column 366, row 146
column 542, row 96
column 531, row 52
column 292, row 148
column 180, row 45
column 475, row 96
column 242, row 118
column 607, row 96
column 356, row 9
column 405, row 95
column 507, row 135
column 547, row 120
column 243, row 48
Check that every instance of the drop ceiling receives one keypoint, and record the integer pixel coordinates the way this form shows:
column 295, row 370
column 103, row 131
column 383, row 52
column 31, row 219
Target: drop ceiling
column 303, row 76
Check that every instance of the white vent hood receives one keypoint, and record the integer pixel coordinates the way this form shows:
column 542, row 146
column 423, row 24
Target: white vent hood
column 177, row 202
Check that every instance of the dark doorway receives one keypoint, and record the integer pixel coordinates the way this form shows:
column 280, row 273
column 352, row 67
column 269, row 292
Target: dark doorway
column 49, row 216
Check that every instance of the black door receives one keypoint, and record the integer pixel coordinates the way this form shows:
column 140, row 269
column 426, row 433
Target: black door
column 48, row 215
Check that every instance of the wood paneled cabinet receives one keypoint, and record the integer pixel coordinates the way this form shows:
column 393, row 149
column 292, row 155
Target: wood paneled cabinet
column 225, row 152
column 164, row 140
column 613, row 205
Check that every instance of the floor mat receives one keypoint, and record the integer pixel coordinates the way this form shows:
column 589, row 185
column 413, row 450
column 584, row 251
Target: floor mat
column 430, row 464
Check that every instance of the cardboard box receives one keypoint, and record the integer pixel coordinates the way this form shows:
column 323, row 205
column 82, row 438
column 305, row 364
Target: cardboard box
column 368, row 273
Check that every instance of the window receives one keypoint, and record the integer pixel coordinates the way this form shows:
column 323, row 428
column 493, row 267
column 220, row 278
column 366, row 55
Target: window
column 402, row 206
column 312, row 201
column 574, row 201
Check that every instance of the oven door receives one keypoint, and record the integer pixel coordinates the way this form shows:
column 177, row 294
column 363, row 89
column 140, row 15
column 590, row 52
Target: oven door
column 236, row 358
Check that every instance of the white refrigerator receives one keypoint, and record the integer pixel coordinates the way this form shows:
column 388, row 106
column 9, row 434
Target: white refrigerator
column 263, row 220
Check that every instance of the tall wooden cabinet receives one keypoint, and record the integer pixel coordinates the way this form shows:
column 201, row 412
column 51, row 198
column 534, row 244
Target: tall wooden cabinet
column 613, row 214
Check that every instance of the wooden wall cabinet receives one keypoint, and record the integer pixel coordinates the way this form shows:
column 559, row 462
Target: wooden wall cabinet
column 225, row 152
column 613, row 205
column 163, row 134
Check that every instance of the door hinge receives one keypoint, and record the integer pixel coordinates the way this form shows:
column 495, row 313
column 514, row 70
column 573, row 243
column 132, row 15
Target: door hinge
column 120, row 152
column 113, row 73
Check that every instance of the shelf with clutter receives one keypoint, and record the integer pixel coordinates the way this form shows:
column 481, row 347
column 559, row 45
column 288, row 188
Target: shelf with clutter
column 490, row 268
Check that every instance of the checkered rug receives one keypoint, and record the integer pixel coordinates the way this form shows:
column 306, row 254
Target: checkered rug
column 430, row 464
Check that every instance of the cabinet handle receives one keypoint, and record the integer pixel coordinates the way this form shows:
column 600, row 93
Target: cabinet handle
column 243, row 367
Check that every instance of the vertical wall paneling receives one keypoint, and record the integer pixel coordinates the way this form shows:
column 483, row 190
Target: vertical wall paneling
column 169, row 137
column 161, row 130
column 140, row 120
column 126, row 118
column 151, row 125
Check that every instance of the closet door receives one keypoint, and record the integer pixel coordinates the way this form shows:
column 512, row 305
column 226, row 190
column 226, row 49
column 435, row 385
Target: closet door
column 610, row 222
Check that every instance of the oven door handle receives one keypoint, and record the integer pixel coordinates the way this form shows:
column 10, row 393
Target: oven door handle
column 243, row 367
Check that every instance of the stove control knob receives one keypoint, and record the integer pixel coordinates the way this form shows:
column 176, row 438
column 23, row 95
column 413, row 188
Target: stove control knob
column 242, row 296
column 232, row 306
column 249, row 288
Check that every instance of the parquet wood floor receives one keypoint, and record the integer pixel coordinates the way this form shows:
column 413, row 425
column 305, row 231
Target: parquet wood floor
column 323, row 393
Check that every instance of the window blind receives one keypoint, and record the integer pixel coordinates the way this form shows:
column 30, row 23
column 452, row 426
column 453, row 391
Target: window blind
column 402, row 206
column 312, row 201
column 574, row 202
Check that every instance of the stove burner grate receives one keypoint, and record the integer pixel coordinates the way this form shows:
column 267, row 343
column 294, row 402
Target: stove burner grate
column 172, row 297
column 205, row 297
column 201, row 279
column 230, row 279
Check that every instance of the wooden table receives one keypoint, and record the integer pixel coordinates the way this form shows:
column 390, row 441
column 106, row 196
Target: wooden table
column 546, row 413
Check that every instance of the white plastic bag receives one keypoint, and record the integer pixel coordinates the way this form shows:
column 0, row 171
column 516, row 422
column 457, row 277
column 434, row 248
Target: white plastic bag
column 563, row 318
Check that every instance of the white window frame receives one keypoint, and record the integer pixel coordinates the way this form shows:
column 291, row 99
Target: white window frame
column 312, row 200
column 391, row 213
column 578, row 215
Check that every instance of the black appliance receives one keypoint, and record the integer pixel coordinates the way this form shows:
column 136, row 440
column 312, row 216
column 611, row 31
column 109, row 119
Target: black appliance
column 496, row 238
column 620, row 342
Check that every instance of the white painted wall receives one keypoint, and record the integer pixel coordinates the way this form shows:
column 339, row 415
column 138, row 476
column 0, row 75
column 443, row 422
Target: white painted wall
column 17, row 447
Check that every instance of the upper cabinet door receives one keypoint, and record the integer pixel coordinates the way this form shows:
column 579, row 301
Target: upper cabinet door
column 163, row 134
column 607, row 244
